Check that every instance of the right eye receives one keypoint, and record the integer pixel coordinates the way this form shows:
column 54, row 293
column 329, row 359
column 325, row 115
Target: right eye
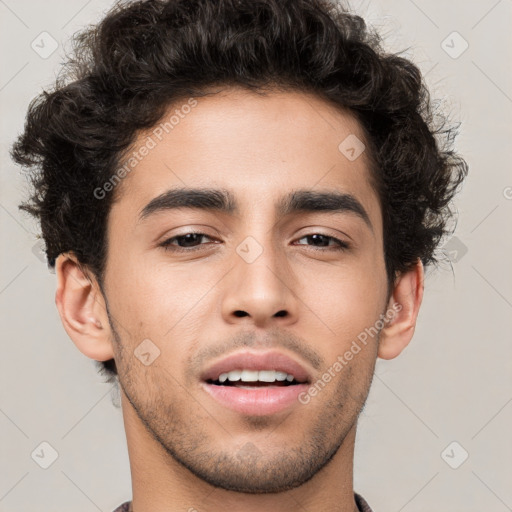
column 185, row 243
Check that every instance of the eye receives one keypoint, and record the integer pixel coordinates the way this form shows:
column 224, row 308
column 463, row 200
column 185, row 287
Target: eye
column 187, row 242
column 321, row 241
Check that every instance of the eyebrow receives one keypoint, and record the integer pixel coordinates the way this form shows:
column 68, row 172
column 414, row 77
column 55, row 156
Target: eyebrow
column 223, row 201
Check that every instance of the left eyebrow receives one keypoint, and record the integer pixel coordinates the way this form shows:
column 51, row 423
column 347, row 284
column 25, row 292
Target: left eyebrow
column 222, row 200
column 335, row 202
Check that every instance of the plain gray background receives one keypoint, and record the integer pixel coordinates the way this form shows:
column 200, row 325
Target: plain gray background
column 453, row 384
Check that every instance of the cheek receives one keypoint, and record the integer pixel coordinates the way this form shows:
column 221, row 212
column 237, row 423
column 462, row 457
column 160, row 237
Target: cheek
column 161, row 301
column 348, row 301
column 355, row 286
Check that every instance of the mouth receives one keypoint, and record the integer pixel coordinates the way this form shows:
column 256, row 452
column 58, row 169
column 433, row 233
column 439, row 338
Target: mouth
column 256, row 383
column 250, row 379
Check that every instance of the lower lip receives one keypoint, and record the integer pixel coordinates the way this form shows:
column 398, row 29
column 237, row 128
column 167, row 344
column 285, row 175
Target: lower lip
column 258, row 401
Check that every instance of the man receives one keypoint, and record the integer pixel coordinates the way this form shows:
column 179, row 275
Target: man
column 239, row 199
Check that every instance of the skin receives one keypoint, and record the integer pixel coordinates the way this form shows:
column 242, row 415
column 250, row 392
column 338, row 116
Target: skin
column 186, row 451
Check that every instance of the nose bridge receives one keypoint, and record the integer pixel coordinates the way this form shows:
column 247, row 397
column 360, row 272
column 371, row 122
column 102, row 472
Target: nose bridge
column 257, row 255
column 259, row 285
column 258, row 263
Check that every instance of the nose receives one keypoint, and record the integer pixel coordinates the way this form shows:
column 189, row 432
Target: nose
column 260, row 292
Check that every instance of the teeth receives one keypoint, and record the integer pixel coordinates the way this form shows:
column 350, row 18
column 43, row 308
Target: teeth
column 255, row 376
column 234, row 375
column 267, row 375
column 249, row 375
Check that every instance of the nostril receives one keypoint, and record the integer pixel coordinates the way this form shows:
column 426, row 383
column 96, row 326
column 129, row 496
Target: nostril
column 240, row 313
column 281, row 313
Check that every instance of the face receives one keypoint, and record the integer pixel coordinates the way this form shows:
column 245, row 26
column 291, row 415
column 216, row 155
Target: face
column 266, row 284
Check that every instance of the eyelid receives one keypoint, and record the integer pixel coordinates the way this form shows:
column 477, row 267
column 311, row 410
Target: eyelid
column 338, row 242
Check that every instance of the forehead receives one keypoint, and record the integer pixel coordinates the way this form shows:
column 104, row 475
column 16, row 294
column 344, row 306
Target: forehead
column 259, row 146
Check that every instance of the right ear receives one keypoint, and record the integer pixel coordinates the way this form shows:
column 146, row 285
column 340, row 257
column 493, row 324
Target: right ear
column 82, row 308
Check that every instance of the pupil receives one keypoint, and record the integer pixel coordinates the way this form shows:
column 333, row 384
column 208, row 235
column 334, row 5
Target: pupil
column 317, row 238
column 189, row 237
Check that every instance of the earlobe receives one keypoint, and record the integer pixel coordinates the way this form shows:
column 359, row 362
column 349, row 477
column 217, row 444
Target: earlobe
column 82, row 309
column 403, row 308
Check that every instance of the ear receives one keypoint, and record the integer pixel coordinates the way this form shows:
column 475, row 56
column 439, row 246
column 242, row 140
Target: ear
column 82, row 308
column 405, row 303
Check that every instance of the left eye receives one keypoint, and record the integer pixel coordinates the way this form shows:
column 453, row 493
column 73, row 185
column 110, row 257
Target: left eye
column 318, row 237
column 189, row 242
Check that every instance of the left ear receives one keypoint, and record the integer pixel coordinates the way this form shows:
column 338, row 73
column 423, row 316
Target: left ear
column 405, row 303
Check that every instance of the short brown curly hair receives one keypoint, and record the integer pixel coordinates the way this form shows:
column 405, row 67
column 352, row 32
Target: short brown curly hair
column 143, row 55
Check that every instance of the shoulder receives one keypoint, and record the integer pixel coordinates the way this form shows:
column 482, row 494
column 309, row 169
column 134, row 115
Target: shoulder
column 361, row 503
column 125, row 507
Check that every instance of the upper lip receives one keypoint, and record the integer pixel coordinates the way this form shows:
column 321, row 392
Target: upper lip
column 247, row 360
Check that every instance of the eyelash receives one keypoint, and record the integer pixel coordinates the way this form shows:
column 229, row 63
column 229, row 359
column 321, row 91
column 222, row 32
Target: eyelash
column 168, row 246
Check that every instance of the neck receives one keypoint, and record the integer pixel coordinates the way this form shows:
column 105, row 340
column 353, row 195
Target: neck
column 161, row 484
